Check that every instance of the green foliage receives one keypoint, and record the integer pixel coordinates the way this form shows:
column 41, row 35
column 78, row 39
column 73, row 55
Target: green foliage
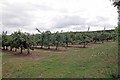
column 47, row 39
column 0, row 40
column 19, row 40
column 72, row 37
column 5, row 39
column 57, row 39
column 66, row 38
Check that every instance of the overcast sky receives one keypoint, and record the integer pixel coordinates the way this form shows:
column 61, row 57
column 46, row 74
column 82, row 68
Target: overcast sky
column 57, row 15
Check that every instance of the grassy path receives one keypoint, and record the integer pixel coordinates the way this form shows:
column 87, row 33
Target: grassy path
column 98, row 61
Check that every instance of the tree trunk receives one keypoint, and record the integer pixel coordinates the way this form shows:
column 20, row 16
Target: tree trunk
column 11, row 48
column 28, row 51
column 21, row 50
column 3, row 47
column 94, row 41
column 67, row 44
column 48, row 47
column 102, row 41
column 15, row 49
column 6, row 48
column 41, row 46
column 113, row 39
column 84, row 45
column 56, row 46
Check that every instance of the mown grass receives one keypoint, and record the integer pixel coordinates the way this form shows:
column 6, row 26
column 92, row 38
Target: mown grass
column 97, row 61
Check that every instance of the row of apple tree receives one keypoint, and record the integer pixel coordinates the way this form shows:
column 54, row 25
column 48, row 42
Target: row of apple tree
column 20, row 40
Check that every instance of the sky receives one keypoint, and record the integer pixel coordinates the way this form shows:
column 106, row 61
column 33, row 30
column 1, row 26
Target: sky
column 57, row 15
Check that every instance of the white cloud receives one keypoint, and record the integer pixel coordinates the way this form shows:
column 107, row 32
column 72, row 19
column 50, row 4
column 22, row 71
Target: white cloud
column 57, row 15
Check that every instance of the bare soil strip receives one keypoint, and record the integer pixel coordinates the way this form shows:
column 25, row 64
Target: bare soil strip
column 24, row 55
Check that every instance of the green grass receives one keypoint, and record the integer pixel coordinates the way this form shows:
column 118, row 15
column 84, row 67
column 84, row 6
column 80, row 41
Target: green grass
column 97, row 61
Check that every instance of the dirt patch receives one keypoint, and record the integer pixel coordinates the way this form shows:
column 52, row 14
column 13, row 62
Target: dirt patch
column 62, row 49
column 13, row 52
column 79, row 46
column 35, row 56
column 73, row 51
column 52, row 49
column 24, row 55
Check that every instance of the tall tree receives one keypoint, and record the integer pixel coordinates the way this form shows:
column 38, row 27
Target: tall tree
column 117, row 3
column 5, row 39
column 85, row 38
column 66, row 39
column 42, row 37
column 20, row 40
column 72, row 38
column 48, row 39
column 0, row 40
column 57, row 39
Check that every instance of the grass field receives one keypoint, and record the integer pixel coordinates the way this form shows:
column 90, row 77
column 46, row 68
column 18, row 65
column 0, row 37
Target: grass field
column 97, row 61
